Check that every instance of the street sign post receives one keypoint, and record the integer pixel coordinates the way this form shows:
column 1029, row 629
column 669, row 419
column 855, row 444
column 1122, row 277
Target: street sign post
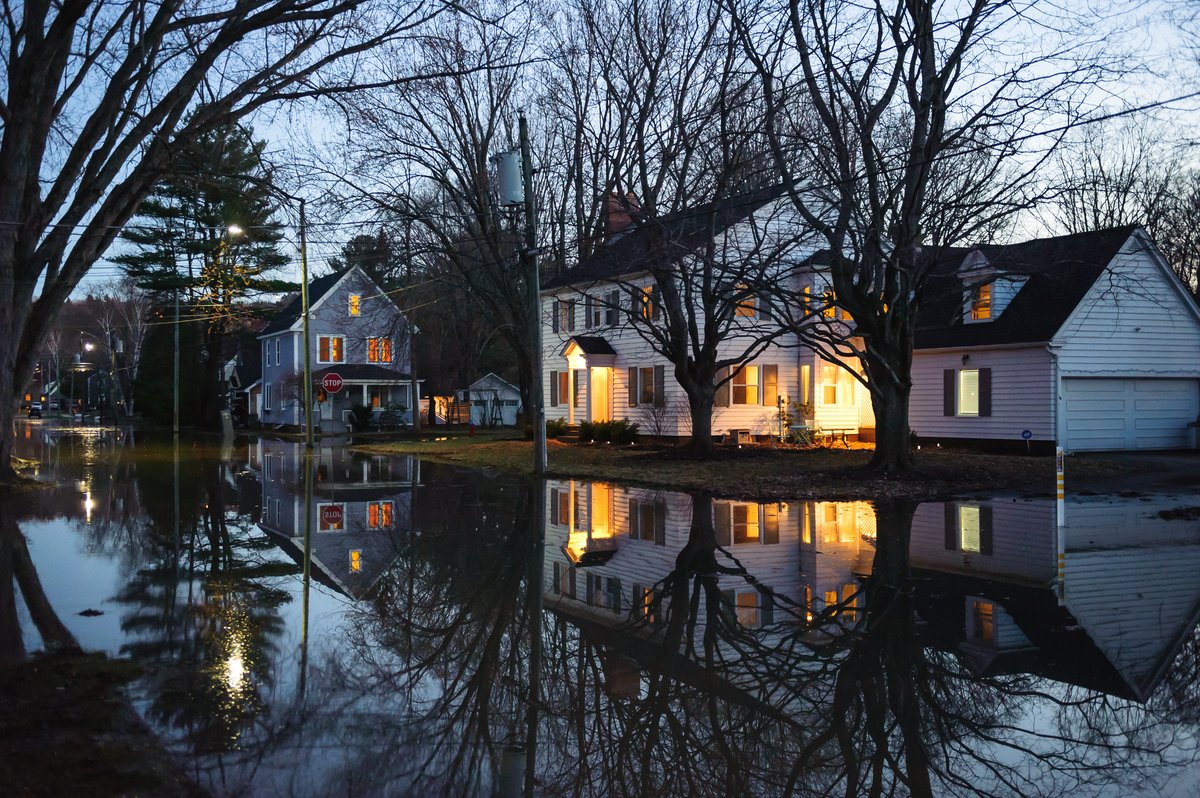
column 332, row 382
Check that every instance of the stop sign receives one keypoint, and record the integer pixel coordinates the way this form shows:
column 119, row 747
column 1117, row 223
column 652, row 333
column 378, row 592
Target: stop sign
column 331, row 515
column 332, row 382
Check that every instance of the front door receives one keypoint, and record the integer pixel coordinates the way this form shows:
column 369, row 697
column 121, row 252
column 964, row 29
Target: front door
column 600, row 394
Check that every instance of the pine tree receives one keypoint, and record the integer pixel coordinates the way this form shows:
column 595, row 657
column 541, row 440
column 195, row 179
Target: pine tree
column 182, row 242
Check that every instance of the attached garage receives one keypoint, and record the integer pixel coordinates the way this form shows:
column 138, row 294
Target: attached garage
column 1114, row 414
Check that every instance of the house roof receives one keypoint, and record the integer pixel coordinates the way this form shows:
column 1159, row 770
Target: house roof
column 1060, row 272
column 364, row 371
column 317, row 288
column 495, row 377
column 592, row 345
column 686, row 231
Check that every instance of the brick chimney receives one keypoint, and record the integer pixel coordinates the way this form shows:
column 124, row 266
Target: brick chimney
column 618, row 214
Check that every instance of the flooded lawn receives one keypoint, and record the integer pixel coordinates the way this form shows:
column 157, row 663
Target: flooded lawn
column 423, row 629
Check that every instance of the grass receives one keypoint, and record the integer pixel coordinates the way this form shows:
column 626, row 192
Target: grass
column 66, row 728
column 755, row 472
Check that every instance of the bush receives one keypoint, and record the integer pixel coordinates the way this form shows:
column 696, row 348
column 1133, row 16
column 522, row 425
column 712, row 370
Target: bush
column 555, row 427
column 618, row 432
column 587, row 431
column 360, row 416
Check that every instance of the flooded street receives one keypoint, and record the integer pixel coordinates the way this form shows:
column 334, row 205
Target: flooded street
column 425, row 629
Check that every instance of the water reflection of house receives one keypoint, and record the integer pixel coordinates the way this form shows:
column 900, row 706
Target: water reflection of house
column 360, row 516
column 985, row 574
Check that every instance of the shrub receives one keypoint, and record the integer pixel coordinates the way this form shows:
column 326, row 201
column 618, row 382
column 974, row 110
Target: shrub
column 619, row 432
column 587, row 431
column 360, row 416
column 555, row 427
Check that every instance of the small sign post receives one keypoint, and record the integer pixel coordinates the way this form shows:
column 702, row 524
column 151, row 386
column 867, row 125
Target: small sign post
column 1061, row 506
column 1026, row 434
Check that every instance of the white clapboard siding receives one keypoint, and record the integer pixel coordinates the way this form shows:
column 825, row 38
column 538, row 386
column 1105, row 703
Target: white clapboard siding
column 1131, row 323
column 1022, row 395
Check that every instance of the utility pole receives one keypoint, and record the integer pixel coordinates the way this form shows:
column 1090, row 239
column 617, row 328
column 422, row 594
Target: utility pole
column 529, row 257
column 176, row 424
column 308, row 427
column 413, row 393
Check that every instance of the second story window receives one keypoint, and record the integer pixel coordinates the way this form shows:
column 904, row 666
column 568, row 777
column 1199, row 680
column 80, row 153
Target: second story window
column 355, row 304
column 564, row 315
column 746, row 306
column 331, row 349
column 647, row 302
column 379, row 515
column 981, row 303
column 379, row 350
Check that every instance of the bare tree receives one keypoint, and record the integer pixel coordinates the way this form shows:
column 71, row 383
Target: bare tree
column 99, row 98
column 872, row 112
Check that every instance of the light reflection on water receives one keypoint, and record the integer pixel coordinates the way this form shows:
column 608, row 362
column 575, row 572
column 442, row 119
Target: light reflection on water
column 687, row 645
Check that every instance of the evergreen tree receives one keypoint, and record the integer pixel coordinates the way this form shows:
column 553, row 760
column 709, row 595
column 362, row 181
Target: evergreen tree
column 206, row 232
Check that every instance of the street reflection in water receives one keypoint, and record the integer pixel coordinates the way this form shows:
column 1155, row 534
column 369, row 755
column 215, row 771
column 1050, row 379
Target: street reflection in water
column 416, row 627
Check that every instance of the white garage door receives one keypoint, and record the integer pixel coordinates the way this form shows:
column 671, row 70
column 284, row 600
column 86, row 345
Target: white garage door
column 1107, row 415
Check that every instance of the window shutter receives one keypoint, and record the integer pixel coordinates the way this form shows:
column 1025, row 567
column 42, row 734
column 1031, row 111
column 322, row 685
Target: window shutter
column 633, row 386
column 951, row 526
column 587, row 311
column 985, row 392
column 770, row 381
column 554, row 519
column 721, row 399
column 770, row 523
column 766, row 600
column 553, row 388
column 554, row 315
column 633, row 519
column 660, row 522
column 985, row 529
column 571, row 315
column 722, row 522
column 766, row 310
column 948, row 386
column 635, row 296
column 660, row 378
column 655, row 301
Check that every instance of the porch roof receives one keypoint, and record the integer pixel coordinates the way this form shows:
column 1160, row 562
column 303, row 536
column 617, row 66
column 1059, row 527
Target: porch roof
column 364, row 372
column 589, row 345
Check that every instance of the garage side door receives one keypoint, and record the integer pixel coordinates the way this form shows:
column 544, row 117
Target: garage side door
column 1109, row 415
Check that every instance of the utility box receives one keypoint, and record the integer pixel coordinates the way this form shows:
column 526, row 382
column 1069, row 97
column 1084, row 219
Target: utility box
column 508, row 178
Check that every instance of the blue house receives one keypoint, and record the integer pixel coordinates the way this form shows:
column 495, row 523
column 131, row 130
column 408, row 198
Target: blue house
column 356, row 331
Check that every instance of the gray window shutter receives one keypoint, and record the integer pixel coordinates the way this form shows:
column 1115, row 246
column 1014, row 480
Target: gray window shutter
column 633, row 386
column 722, row 522
column 557, row 578
column 553, row 388
column 655, row 302
column 660, row 522
column 554, row 315
column 587, row 311
column 951, row 516
column 610, row 312
column 766, row 600
column 660, row 396
column 985, row 529
column 948, row 386
column 770, row 523
column 633, row 519
column 722, row 395
column 770, row 385
column 554, row 506
column 985, row 392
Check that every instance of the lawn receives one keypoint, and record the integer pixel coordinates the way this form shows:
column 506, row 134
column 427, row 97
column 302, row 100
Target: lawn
column 761, row 472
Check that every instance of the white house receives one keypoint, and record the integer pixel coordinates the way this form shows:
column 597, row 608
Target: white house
column 357, row 332
column 494, row 402
column 599, row 366
column 1089, row 340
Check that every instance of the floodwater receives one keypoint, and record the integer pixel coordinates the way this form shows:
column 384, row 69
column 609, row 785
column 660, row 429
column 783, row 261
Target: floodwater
column 422, row 629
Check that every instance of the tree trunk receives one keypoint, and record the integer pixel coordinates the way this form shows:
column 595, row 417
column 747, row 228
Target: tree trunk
column 700, row 404
column 893, row 444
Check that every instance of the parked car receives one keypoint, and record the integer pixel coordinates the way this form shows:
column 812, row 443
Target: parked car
column 35, row 410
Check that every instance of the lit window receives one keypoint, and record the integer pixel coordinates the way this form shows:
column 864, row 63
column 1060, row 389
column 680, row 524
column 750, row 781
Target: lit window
column 982, row 616
column 747, row 609
column 831, row 310
column 968, row 528
column 829, row 383
column 746, row 305
column 968, row 392
column 981, row 302
column 745, row 523
column 355, row 304
column 330, row 349
column 355, row 560
column 379, row 515
column 566, row 315
column 648, row 306
column 379, row 350
column 745, row 386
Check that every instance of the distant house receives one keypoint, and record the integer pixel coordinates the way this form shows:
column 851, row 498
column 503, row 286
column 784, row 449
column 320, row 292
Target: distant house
column 357, row 332
column 494, row 402
column 599, row 366
column 1089, row 340
column 243, row 379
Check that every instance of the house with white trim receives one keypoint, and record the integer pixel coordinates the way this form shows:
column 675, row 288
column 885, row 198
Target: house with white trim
column 494, row 401
column 598, row 366
column 356, row 331
column 1088, row 340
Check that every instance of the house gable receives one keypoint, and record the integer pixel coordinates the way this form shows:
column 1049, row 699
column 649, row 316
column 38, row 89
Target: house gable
column 1135, row 320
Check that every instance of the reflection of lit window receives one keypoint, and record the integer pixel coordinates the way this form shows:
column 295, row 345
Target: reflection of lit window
column 355, row 304
column 850, row 599
column 601, row 511
column 747, row 609
column 379, row 514
column 808, row 603
column 829, row 522
column 831, row 600
column 968, row 528
column 981, row 303
column 745, row 523
column 355, row 560
column 983, row 627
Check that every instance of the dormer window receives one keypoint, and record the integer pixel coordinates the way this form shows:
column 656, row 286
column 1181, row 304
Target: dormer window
column 355, row 304
column 981, row 302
